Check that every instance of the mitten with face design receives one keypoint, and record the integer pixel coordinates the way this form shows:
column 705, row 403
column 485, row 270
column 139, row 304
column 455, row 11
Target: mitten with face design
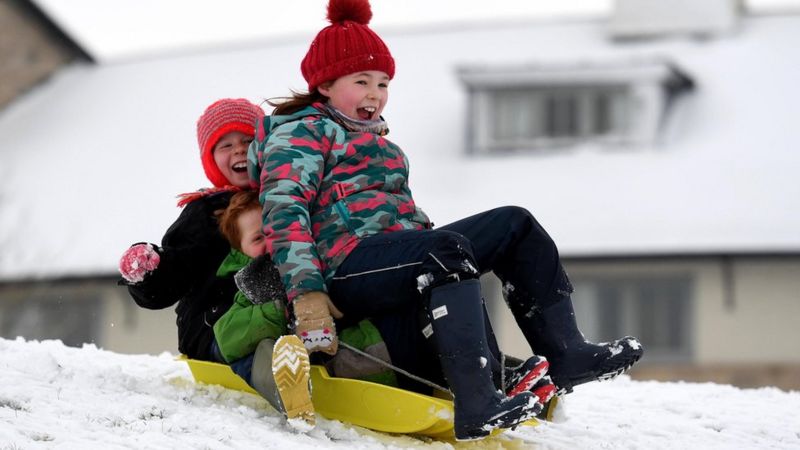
column 313, row 324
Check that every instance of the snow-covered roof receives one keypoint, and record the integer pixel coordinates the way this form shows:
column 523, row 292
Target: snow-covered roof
column 91, row 161
column 129, row 29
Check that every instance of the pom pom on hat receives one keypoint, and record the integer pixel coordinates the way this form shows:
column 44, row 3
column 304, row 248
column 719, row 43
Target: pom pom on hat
column 220, row 118
column 346, row 46
column 358, row 11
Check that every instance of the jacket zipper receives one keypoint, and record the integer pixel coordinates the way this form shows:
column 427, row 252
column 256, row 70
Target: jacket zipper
column 341, row 209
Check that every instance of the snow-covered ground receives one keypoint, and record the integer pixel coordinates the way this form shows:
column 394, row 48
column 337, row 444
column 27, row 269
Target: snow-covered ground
column 54, row 396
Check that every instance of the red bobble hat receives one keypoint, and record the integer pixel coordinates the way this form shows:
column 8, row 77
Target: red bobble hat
column 219, row 119
column 346, row 46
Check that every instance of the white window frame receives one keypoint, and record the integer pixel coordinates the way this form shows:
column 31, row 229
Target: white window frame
column 645, row 89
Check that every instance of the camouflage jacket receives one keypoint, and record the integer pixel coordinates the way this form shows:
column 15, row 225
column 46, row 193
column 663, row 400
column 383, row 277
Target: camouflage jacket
column 324, row 188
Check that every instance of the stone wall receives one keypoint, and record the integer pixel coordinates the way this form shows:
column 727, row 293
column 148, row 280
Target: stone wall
column 31, row 49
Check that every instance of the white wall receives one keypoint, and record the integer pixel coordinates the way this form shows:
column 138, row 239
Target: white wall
column 131, row 329
column 762, row 325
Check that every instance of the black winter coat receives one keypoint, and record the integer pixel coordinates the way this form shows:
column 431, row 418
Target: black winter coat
column 191, row 252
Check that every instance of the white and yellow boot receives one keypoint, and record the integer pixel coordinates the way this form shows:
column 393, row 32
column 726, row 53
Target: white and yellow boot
column 291, row 369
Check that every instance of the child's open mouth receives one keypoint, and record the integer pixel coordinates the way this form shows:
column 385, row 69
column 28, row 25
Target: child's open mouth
column 366, row 112
column 240, row 167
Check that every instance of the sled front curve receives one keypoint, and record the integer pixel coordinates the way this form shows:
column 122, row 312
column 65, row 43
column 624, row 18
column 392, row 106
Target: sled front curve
column 363, row 403
column 379, row 407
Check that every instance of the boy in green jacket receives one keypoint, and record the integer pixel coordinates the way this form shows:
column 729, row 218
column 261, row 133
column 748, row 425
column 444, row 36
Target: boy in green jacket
column 253, row 336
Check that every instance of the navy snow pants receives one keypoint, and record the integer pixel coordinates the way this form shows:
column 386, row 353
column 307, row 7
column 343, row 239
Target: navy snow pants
column 387, row 276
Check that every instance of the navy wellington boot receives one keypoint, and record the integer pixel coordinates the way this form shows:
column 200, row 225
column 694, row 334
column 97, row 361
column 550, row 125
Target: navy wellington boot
column 456, row 315
column 553, row 332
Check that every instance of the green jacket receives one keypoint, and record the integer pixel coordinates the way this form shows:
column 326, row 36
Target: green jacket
column 245, row 324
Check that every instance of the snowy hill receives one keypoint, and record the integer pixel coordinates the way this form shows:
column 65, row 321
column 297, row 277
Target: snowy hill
column 53, row 396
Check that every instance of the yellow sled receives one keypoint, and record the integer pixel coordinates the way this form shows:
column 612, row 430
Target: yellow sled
column 369, row 405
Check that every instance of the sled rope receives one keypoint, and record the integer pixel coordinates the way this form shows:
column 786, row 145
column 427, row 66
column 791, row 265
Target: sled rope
column 395, row 368
column 503, row 371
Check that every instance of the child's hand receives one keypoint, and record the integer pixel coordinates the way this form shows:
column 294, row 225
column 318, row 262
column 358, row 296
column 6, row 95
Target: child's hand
column 314, row 324
column 260, row 282
column 137, row 261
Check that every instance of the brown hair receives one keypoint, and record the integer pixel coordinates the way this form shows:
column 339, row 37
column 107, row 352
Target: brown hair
column 298, row 101
column 228, row 218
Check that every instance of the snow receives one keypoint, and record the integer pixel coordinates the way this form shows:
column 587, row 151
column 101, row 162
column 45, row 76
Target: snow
column 113, row 32
column 54, row 396
column 130, row 29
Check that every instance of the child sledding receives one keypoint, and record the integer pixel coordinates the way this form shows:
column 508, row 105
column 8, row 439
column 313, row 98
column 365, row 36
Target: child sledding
column 345, row 242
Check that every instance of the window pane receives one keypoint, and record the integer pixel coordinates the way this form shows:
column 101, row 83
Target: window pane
column 655, row 310
column 55, row 316
column 538, row 116
column 610, row 297
column 561, row 116
column 602, row 113
column 619, row 105
column 513, row 116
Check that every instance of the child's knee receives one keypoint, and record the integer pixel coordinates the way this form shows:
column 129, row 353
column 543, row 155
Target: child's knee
column 450, row 259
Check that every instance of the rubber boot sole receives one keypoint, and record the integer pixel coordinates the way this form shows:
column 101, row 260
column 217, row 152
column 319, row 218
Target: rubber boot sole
column 530, row 379
column 610, row 368
column 544, row 389
column 518, row 409
column 291, row 368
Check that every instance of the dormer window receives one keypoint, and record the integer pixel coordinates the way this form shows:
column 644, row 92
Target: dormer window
column 557, row 113
column 513, row 109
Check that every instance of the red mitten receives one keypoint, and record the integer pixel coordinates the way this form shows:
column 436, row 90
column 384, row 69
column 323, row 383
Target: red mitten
column 138, row 261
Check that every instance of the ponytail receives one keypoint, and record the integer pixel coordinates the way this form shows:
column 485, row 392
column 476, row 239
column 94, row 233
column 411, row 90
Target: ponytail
column 298, row 100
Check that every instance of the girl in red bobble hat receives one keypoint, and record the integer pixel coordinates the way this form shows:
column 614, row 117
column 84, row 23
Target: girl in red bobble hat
column 183, row 269
column 341, row 224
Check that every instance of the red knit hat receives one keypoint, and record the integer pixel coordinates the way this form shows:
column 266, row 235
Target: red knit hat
column 345, row 46
column 219, row 119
